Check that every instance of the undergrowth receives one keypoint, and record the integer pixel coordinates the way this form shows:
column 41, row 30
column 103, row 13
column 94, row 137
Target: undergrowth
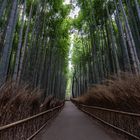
column 121, row 94
column 19, row 102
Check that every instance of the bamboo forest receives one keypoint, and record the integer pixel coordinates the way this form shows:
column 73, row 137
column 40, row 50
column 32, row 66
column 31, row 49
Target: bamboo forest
column 72, row 64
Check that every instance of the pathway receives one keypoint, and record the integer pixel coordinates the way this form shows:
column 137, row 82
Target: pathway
column 72, row 124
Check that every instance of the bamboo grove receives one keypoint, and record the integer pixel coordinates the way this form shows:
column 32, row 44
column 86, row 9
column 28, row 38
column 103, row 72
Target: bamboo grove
column 107, row 42
column 34, row 44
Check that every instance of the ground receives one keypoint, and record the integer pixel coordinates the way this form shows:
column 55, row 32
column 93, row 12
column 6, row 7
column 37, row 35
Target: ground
column 72, row 124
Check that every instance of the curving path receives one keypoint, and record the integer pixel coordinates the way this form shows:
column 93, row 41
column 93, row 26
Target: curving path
column 72, row 124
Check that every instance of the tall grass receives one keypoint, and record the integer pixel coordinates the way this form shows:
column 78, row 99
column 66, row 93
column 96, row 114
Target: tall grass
column 121, row 94
column 20, row 102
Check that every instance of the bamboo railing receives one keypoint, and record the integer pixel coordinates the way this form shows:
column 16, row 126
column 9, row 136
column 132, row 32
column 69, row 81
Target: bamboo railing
column 27, row 128
column 126, row 123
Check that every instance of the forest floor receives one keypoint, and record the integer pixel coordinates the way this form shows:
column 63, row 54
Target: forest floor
column 72, row 124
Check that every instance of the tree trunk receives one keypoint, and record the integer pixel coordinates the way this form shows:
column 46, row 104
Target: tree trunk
column 19, row 43
column 127, row 65
column 113, row 42
column 24, row 47
column 138, row 8
column 136, row 63
column 2, row 8
column 8, row 42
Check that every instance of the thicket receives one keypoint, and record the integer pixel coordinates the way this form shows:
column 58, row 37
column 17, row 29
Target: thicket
column 34, row 44
column 115, row 93
column 106, row 42
column 17, row 103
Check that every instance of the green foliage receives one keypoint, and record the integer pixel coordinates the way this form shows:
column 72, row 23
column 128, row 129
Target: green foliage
column 77, row 50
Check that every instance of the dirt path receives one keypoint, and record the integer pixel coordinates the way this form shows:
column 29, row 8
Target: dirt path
column 72, row 124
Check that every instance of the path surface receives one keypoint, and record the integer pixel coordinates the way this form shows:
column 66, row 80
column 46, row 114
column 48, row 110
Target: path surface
column 72, row 124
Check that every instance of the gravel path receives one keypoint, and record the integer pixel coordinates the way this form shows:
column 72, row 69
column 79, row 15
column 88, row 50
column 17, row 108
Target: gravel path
column 72, row 124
